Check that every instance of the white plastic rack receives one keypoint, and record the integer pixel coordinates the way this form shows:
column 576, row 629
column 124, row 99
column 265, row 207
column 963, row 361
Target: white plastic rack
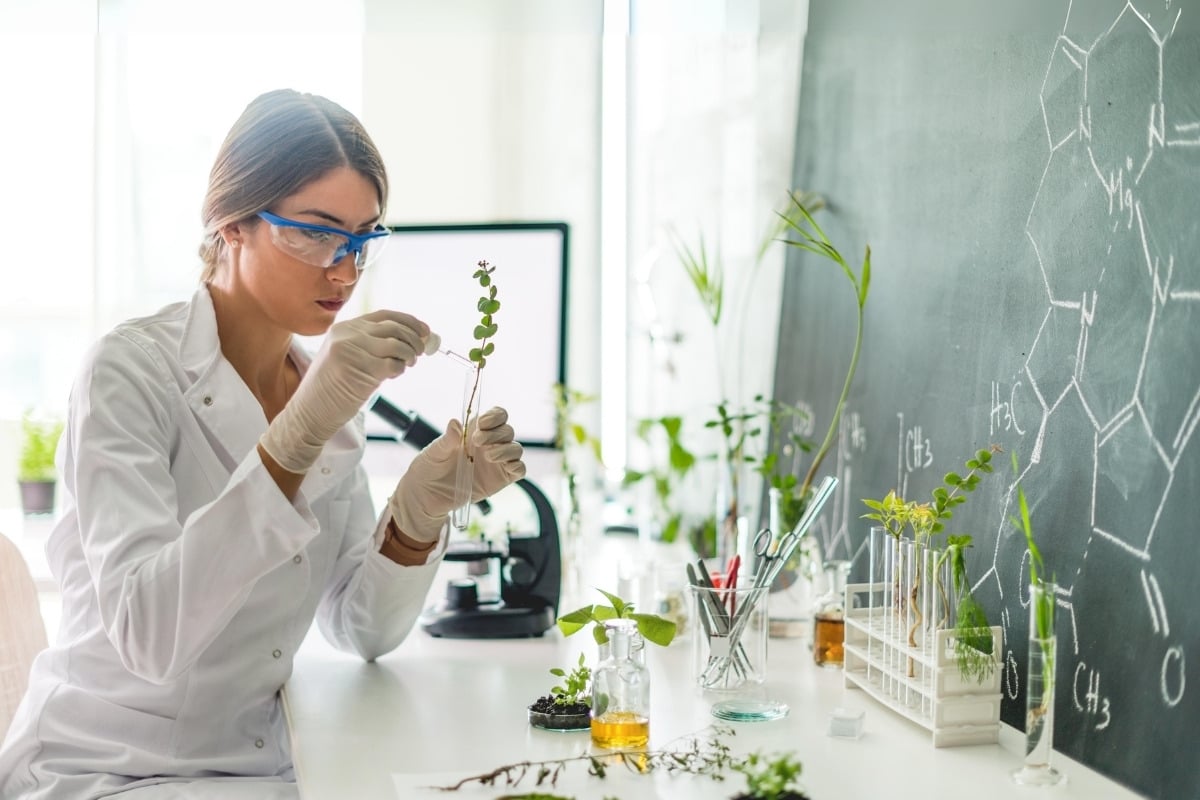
column 920, row 682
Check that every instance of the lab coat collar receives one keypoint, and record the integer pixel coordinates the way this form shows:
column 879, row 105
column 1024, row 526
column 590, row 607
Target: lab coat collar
column 224, row 404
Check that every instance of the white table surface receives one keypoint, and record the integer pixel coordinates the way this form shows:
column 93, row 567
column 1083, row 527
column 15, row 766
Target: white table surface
column 440, row 709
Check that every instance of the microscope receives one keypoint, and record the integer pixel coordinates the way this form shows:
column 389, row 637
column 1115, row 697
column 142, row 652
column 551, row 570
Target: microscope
column 529, row 566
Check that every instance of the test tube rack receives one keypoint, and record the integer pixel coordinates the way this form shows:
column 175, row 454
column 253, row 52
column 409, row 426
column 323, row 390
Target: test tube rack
column 922, row 683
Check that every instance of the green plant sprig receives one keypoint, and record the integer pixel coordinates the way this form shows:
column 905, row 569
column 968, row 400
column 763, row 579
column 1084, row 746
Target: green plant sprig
column 1043, row 609
column 771, row 777
column 487, row 305
column 575, row 687
column 652, row 627
column 972, row 633
column 704, row 753
column 814, row 240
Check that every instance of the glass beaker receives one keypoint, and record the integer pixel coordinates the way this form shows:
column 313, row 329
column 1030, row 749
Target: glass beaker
column 729, row 648
column 829, row 617
column 621, row 689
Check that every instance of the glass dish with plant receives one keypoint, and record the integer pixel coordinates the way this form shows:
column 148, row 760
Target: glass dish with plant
column 569, row 703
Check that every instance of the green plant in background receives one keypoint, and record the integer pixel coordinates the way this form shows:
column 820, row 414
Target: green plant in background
column 652, row 627
column 1043, row 611
column 773, row 777
column 39, row 440
column 666, row 477
column 487, row 305
column 570, row 436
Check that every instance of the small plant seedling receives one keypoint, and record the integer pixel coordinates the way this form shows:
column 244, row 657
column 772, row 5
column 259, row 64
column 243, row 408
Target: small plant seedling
column 576, row 686
column 484, row 332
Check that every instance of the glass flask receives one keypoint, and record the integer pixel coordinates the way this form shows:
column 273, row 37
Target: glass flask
column 829, row 617
column 621, row 689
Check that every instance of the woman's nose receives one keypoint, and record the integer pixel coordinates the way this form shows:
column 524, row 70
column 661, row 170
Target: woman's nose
column 344, row 271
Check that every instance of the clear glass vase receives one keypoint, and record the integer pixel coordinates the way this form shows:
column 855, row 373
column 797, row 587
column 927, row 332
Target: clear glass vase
column 621, row 689
column 1040, row 690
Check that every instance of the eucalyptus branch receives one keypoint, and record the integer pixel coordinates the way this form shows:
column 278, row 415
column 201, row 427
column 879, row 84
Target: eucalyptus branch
column 487, row 305
column 702, row 753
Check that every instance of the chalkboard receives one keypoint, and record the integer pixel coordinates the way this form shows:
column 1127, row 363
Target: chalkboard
column 1027, row 175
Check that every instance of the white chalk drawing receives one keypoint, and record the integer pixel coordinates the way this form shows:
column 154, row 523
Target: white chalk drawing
column 1093, row 161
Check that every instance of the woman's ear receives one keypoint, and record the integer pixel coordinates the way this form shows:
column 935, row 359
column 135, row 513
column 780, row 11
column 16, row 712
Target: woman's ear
column 232, row 234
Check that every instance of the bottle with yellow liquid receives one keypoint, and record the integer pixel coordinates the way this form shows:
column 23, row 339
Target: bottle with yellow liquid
column 621, row 689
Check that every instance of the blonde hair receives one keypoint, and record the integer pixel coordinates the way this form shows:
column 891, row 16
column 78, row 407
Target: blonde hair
column 282, row 141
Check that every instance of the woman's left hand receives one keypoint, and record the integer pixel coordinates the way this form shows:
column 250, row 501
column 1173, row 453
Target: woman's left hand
column 426, row 494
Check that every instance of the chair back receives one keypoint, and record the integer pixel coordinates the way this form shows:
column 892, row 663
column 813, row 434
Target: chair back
column 22, row 631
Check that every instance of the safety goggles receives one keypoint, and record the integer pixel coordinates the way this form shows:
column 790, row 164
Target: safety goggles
column 323, row 246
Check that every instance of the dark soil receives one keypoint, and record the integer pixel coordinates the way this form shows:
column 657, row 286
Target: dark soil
column 546, row 705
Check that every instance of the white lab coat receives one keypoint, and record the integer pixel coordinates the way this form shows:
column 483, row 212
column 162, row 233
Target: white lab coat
column 189, row 580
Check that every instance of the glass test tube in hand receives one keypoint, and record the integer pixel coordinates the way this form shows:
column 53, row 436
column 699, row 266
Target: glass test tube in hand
column 464, row 477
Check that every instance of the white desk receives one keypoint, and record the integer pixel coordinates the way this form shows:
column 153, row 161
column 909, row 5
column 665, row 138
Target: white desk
column 458, row 707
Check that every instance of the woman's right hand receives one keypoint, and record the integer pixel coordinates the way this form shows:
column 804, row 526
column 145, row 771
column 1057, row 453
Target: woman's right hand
column 358, row 355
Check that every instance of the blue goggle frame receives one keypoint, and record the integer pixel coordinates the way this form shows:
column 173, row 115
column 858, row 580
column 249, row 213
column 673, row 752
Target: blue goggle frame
column 354, row 242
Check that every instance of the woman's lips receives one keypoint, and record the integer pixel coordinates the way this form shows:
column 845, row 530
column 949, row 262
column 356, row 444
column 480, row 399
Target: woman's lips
column 331, row 305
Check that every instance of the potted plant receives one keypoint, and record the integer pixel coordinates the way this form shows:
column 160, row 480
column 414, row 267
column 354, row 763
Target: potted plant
column 568, row 706
column 35, row 466
column 770, row 777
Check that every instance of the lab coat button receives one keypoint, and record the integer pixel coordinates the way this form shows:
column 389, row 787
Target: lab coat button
column 325, row 470
column 297, row 559
column 258, row 743
column 276, row 653
column 208, row 399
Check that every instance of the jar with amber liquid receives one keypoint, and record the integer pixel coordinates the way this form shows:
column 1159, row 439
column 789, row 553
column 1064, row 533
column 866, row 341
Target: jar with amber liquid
column 621, row 689
column 829, row 617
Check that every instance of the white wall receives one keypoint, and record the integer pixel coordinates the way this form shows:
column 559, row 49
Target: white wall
column 489, row 111
column 714, row 91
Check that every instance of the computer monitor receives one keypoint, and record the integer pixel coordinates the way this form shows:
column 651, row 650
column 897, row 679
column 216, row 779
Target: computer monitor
column 427, row 271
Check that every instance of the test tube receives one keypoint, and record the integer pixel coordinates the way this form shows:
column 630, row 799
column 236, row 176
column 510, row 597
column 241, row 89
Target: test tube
column 464, row 476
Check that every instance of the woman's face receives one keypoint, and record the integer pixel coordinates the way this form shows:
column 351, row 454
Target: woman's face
column 292, row 294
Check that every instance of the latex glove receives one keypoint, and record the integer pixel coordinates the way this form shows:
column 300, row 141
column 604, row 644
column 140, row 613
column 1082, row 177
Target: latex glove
column 424, row 497
column 357, row 356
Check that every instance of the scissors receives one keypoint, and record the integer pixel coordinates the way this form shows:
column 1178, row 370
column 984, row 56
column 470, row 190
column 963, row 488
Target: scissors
column 770, row 555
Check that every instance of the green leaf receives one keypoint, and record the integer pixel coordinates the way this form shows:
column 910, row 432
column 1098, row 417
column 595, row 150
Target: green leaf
column 484, row 280
column 475, row 354
column 618, row 604
column 575, row 620
column 489, row 348
column 655, row 629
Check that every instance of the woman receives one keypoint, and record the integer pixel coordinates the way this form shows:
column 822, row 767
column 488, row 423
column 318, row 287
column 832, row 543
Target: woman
column 215, row 497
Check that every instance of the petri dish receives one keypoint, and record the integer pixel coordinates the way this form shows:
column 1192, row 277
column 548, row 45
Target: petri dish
column 747, row 710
